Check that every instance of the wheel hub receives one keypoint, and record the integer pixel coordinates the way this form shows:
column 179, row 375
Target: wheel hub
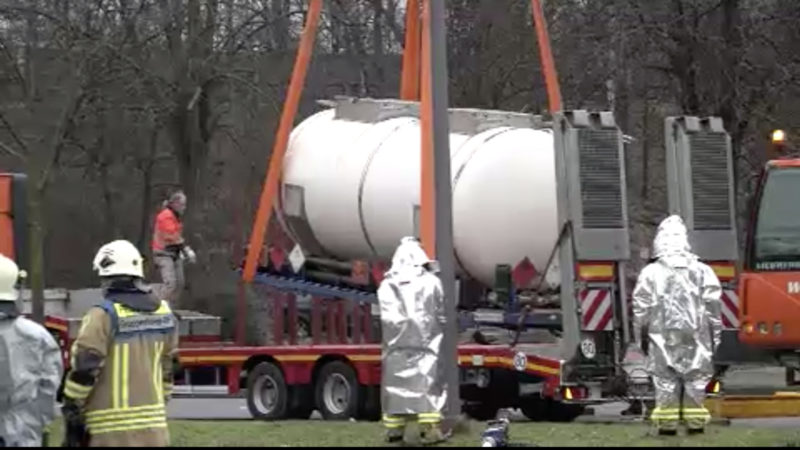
column 336, row 393
column 266, row 394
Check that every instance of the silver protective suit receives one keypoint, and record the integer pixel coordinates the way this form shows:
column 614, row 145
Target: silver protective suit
column 30, row 373
column 677, row 302
column 412, row 318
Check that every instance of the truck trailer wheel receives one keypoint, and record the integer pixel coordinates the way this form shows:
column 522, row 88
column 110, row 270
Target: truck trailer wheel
column 534, row 408
column 480, row 411
column 337, row 391
column 564, row 412
column 540, row 409
column 301, row 402
column 267, row 393
column 371, row 403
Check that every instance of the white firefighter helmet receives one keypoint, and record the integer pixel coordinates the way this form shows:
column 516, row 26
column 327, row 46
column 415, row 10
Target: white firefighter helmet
column 9, row 275
column 118, row 258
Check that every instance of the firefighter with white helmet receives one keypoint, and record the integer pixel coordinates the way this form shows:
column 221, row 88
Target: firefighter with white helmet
column 122, row 359
column 676, row 302
column 30, row 369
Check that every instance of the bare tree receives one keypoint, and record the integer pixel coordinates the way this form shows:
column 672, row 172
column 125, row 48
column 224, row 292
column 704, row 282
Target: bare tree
column 50, row 82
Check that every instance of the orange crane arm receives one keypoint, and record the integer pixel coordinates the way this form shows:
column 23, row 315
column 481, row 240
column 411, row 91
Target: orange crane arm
column 546, row 56
column 409, row 87
column 290, row 106
column 427, row 206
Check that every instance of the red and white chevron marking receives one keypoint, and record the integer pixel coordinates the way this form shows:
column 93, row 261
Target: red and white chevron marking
column 597, row 310
column 730, row 309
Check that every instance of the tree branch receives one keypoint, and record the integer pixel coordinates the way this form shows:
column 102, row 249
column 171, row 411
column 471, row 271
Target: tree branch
column 11, row 151
column 13, row 133
column 17, row 73
column 57, row 141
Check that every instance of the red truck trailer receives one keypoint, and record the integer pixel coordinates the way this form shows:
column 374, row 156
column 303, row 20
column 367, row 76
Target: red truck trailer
column 338, row 370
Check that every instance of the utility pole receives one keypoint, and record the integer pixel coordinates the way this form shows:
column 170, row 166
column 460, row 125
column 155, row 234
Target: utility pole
column 443, row 195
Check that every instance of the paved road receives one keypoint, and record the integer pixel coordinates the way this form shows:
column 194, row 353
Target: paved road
column 232, row 409
column 756, row 380
column 740, row 380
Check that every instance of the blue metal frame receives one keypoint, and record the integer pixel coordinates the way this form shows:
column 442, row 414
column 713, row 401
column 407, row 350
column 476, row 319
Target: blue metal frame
column 324, row 291
column 535, row 319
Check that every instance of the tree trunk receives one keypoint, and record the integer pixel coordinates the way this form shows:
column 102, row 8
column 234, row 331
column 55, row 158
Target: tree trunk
column 280, row 27
column 191, row 131
column 191, row 151
column 147, row 191
column 645, row 152
column 377, row 27
column 729, row 109
column 36, row 236
column 684, row 60
column 147, row 198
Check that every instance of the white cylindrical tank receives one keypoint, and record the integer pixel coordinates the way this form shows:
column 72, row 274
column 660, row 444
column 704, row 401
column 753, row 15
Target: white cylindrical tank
column 350, row 190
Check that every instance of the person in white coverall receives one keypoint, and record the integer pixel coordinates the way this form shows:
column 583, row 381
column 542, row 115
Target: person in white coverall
column 412, row 329
column 30, row 369
column 676, row 302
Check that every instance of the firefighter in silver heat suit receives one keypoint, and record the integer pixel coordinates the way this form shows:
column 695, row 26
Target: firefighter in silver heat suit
column 412, row 319
column 676, row 302
column 30, row 370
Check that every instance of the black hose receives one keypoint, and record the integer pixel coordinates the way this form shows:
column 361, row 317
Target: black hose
column 526, row 308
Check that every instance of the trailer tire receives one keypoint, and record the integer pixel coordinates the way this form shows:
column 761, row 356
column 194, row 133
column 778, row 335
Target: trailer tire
column 371, row 404
column 301, row 403
column 539, row 409
column 267, row 392
column 564, row 412
column 534, row 408
column 480, row 411
column 337, row 392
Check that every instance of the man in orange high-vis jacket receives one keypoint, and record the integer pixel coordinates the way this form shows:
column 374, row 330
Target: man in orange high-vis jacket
column 170, row 249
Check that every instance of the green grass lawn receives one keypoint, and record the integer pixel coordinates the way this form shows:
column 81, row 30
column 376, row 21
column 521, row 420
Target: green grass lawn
column 349, row 434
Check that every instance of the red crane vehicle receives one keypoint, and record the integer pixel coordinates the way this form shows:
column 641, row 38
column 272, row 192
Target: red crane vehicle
column 769, row 285
column 760, row 305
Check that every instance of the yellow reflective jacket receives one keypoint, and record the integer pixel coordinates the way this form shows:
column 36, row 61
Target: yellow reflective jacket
column 121, row 373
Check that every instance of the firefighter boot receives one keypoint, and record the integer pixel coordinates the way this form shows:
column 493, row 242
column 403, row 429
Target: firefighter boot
column 394, row 435
column 395, row 428
column 666, row 422
column 667, row 431
column 694, row 411
column 431, row 433
column 696, row 421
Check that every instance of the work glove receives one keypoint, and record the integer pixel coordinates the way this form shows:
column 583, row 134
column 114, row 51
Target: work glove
column 75, row 433
column 189, row 254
